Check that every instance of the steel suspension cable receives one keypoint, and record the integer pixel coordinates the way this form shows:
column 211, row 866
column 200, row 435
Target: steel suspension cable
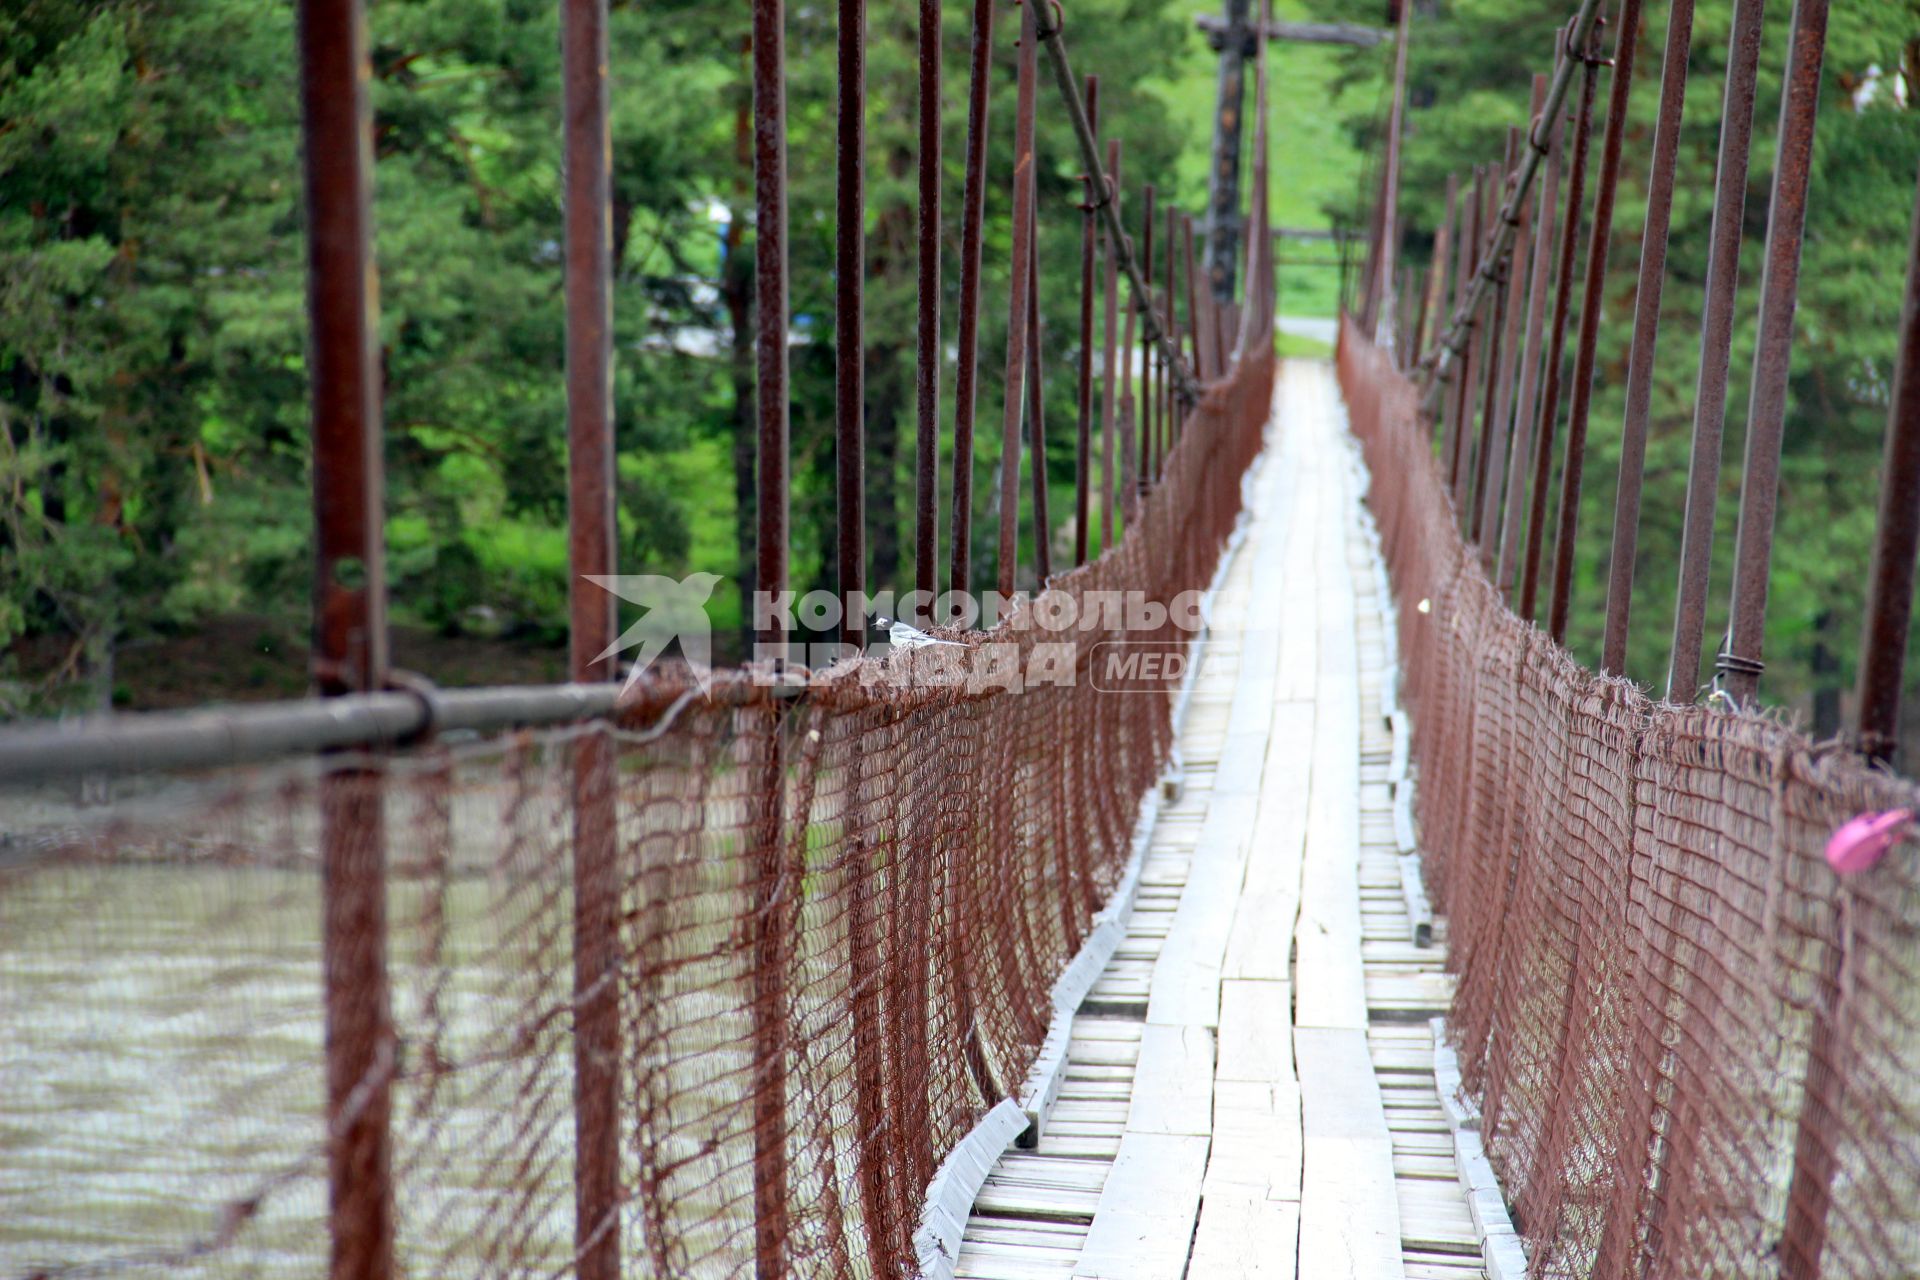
column 1155, row 330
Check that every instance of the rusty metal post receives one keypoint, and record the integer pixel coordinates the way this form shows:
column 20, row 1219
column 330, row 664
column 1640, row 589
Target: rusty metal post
column 1598, row 241
column 349, row 629
column 1223, row 178
column 1417, row 330
column 1412, row 312
column 1499, row 365
column 1156, row 416
column 1437, row 277
column 1810, row 1189
column 1109, row 361
column 1226, row 319
column 1462, row 425
column 1449, row 424
column 1192, row 295
column 1149, row 437
column 1472, row 485
column 1083, row 455
column 1469, row 262
column 1052, row 39
column 1168, row 409
column 1820, row 1125
column 1205, row 329
column 1582, row 133
column 596, row 983
column 1519, row 468
column 770, row 305
column 1646, row 328
column 1883, row 636
column 1390, row 181
column 1716, row 348
column 926, row 369
column 850, row 208
column 769, row 922
column 966, row 382
column 1129, row 466
column 770, row 928
column 1739, row 663
column 361, row 1047
column 1366, row 299
column 1262, row 291
column 875, row 866
column 1037, row 411
column 1168, row 401
column 1500, row 474
column 1143, row 303
column 849, row 291
column 966, row 377
column 1168, row 300
column 1577, row 33
column 911, row 1010
column 1021, row 279
column 349, row 600
column 594, row 624
column 1513, row 306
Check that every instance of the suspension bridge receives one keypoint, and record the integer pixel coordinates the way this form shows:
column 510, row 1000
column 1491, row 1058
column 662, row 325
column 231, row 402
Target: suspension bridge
column 1361, row 933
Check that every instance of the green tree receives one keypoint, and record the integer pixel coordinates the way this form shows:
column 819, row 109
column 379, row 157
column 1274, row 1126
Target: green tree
column 154, row 471
column 1469, row 81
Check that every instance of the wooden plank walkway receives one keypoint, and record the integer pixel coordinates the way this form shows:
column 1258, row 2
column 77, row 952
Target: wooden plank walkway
column 1249, row 1087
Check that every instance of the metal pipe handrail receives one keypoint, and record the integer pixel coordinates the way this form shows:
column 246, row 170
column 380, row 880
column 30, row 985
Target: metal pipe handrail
column 205, row 739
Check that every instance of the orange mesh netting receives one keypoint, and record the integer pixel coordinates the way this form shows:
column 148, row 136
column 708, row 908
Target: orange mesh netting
column 836, row 920
column 1693, row 1042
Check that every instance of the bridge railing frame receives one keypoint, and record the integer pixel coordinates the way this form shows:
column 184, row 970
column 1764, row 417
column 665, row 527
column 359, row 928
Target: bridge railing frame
column 1200, row 414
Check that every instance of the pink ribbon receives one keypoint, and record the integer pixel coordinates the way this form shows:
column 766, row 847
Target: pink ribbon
column 1860, row 843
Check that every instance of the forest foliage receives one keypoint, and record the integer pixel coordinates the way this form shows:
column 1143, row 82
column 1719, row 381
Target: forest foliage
column 1469, row 79
column 153, row 467
column 152, row 324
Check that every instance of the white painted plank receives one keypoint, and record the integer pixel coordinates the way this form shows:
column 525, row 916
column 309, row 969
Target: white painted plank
column 1260, row 639
column 1349, row 1206
column 1186, row 980
column 1402, row 738
column 1413, row 891
column 1260, row 944
column 957, row 1184
column 1250, row 1239
column 1244, row 751
column 1020, row 1200
column 981, row 1264
column 1331, row 988
column 1062, row 1235
column 1256, row 1150
column 1299, row 644
column 1185, row 987
column 1403, row 816
column 1504, row 1257
column 1041, row 1088
column 1144, row 1223
column 1256, row 1025
column 1173, row 1082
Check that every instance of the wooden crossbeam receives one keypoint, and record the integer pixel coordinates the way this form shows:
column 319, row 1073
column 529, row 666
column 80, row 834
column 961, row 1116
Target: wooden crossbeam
column 1315, row 233
column 1214, row 28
